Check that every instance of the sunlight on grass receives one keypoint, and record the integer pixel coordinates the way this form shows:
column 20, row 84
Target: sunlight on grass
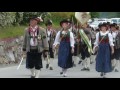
column 12, row 31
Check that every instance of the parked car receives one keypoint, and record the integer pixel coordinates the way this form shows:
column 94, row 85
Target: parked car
column 116, row 20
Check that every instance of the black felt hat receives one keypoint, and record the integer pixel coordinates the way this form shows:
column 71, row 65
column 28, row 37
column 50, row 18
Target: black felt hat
column 65, row 21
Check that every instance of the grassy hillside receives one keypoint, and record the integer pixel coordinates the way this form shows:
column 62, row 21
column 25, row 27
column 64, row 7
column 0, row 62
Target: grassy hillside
column 11, row 31
column 14, row 31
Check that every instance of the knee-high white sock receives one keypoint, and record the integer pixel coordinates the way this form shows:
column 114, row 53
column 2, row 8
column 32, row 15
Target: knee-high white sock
column 75, row 59
column 51, row 61
column 65, row 71
column 85, row 63
column 47, row 60
column 62, row 69
column 117, row 64
column 37, row 73
column 88, row 62
column 32, row 71
column 113, row 63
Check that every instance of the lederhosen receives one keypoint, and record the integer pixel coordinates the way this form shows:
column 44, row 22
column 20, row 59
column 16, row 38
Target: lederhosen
column 51, row 53
column 34, row 57
column 84, row 50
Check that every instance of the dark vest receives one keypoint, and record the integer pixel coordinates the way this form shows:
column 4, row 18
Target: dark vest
column 103, row 40
column 65, row 37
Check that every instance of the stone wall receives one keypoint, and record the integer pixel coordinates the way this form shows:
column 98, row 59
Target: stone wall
column 11, row 50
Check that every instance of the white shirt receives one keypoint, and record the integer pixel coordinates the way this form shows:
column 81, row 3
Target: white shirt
column 109, row 35
column 48, row 33
column 57, row 39
column 32, row 43
column 114, row 34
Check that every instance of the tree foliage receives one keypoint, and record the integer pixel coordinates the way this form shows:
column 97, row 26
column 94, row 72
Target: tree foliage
column 7, row 18
column 94, row 14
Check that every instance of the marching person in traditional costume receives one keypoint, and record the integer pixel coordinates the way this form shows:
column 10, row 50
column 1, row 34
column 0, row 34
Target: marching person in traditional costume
column 103, row 42
column 116, row 40
column 65, row 40
column 77, row 42
column 86, row 35
column 51, row 33
column 35, row 41
column 84, row 49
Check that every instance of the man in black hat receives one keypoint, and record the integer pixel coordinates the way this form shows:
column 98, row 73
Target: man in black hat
column 51, row 33
column 84, row 48
column 35, row 41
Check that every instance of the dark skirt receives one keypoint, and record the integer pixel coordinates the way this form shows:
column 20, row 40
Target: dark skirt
column 34, row 60
column 65, row 55
column 103, row 60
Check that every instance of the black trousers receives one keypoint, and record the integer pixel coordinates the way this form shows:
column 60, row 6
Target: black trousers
column 34, row 59
column 116, row 54
column 84, row 52
column 51, row 53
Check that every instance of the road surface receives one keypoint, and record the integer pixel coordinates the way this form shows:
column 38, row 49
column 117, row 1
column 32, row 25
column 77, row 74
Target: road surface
column 12, row 72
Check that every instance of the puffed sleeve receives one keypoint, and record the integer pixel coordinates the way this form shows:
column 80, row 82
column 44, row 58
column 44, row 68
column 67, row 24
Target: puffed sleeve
column 72, row 40
column 97, row 40
column 110, row 39
column 57, row 39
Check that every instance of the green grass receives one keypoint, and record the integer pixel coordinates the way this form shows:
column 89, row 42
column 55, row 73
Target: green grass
column 15, row 31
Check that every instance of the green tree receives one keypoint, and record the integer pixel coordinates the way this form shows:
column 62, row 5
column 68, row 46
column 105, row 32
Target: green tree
column 118, row 14
column 7, row 18
column 19, row 18
column 94, row 14
column 27, row 15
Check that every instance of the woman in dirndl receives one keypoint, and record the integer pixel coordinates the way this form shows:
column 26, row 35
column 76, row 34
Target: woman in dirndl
column 65, row 40
column 104, row 43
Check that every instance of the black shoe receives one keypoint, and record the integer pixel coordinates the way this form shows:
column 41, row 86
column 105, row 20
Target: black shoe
column 79, row 62
column 47, row 66
column 32, row 76
column 88, row 69
column 61, row 73
column 91, row 62
column 51, row 68
column 83, row 69
column 116, row 70
column 101, row 74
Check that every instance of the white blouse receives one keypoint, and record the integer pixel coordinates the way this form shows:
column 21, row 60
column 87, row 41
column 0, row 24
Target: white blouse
column 109, row 35
column 57, row 39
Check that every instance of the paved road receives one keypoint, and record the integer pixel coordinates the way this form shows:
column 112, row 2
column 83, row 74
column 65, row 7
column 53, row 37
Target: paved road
column 12, row 72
